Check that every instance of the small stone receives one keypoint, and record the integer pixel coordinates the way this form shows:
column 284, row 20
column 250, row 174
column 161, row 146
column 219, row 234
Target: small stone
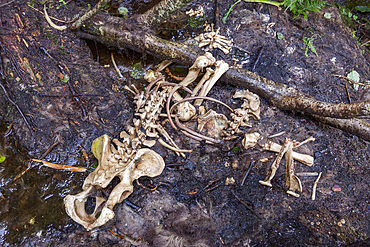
column 234, row 165
column 343, row 221
column 230, row 181
column 339, row 224
column 336, row 188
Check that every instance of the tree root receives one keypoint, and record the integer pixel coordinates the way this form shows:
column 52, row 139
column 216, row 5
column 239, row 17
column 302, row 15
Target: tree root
column 113, row 31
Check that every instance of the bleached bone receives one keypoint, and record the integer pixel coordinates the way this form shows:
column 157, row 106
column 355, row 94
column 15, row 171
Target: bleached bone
column 291, row 180
column 144, row 162
column 221, row 68
column 303, row 158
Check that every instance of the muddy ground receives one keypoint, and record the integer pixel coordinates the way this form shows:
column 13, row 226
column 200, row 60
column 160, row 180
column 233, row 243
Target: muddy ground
column 192, row 200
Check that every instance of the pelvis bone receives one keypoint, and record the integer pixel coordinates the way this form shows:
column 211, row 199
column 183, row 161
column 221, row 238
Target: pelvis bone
column 112, row 163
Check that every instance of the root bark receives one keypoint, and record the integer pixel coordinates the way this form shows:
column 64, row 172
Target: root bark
column 113, row 31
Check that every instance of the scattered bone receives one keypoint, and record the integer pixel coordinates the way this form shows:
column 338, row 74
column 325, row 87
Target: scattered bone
column 213, row 40
column 221, row 68
column 275, row 164
column 143, row 162
column 230, row 181
column 212, row 124
column 163, row 143
column 315, row 186
column 199, row 12
column 303, row 158
column 250, row 140
column 291, row 180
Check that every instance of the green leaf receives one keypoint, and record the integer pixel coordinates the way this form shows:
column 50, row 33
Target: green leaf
column 279, row 35
column 123, row 11
column 235, row 149
column 65, row 78
column 363, row 9
column 2, row 158
column 137, row 71
column 354, row 75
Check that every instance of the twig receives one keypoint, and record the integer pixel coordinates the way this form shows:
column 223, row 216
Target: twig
column 115, row 65
column 78, row 23
column 49, row 150
column 56, row 19
column 314, row 187
column 61, row 167
column 51, row 23
column 277, row 134
column 19, row 110
column 352, row 81
column 246, row 205
column 247, row 173
column 349, row 97
column 4, row 4
column 257, row 60
column 307, row 174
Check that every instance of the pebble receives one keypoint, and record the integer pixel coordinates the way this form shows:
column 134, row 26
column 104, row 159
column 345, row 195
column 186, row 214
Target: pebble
column 336, row 188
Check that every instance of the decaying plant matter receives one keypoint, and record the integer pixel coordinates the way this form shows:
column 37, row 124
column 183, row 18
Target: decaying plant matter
column 292, row 181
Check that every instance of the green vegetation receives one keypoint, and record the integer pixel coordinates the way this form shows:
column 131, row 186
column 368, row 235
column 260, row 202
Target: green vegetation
column 297, row 7
column 123, row 11
column 2, row 158
column 308, row 42
column 137, row 71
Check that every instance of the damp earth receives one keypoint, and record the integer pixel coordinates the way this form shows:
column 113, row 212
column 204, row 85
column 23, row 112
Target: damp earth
column 193, row 199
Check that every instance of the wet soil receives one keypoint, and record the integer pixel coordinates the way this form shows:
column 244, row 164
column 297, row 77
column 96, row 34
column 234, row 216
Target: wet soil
column 192, row 201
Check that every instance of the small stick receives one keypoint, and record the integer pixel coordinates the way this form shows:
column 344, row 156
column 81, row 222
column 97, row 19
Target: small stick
column 115, row 65
column 350, row 80
column 4, row 4
column 16, row 106
column 51, row 23
column 61, row 167
column 257, row 60
column 277, row 134
column 349, row 97
column 247, row 173
column 49, row 150
column 246, row 205
column 77, row 24
column 307, row 174
column 314, row 187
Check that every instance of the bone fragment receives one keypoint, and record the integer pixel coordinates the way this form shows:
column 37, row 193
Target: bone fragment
column 144, row 162
column 291, row 180
column 250, row 140
column 303, row 158
column 275, row 164
column 221, row 68
column 163, row 143
column 314, row 187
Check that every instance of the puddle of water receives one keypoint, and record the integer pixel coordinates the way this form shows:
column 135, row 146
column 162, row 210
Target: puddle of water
column 34, row 202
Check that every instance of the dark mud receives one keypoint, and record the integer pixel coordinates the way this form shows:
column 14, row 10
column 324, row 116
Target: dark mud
column 192, row 200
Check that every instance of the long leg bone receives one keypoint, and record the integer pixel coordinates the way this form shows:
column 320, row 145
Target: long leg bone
column 303, row 158
column 291, row 180
column 221, row 68
column 275, row 164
